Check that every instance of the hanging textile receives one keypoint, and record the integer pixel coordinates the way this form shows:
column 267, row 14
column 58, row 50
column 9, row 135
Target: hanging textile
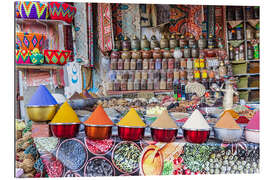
column 86, row 77
column 81, row 41
column 178, row 18
column 117, row 20
column 211, row 20
column 105, row 36
column 195, row 20
column 90, row 34
column 145, row 11
column 163, row 13
column 74, row 78
column 131, row 20
column 219, row 30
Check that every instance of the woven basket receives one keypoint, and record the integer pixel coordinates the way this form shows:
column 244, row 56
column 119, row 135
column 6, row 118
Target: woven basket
column 37, row 59
column 60, row 57
column 29, row 41
column 33, row 10
column 243, row 95
column 23, row 57
column 253, row 81
column 61, row 11
column 242, row 82
column 254, row 95
column 240, row 68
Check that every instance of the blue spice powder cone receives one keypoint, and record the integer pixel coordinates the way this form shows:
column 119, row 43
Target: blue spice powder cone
column 42, row 97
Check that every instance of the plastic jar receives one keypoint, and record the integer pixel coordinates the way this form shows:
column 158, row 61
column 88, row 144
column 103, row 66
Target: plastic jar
column 133, row 64
column 130, row 86
column 120, row 64
column 158, row 64
column 145, row 64
column 151, row 64
column 123, row 85
column 137, row 85
column 163, row 84
column 164, row 64
column 171, row 63
column 114, row 64
column 139, row 64
column 143, row 84
column 126, row 64
column 150, row 84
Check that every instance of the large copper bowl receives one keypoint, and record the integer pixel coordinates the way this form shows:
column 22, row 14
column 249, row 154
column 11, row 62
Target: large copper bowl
column 196, row 136
column 41, row 113
column 130, row 133
column 98, row 132
column 163, row 134
column 64, row 130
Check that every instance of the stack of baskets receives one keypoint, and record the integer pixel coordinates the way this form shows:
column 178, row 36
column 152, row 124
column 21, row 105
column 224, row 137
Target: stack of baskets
column 27, row 42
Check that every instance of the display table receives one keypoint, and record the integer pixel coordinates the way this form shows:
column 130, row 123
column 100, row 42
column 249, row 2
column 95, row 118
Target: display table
column 80, row 156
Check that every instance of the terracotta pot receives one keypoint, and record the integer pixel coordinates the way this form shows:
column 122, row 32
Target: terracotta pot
column 136, row 54
column 157, row 54
column 125, row 55
column 154, row 42
column 146, row 54
column 145, row 43
column 167, row 53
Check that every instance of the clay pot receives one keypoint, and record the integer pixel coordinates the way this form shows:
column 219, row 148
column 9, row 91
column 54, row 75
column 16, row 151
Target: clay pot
column 154, row 42
column 136, row 55
column 125, row 55
column 145, row 43
column 157, row 54
column 167, row 53
column 173, row 42
column 115, row 54
column 135, row 43
column 146, row 54
column 126, row 45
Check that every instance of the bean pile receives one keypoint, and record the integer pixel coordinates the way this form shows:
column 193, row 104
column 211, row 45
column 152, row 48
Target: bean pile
column 99, row 146
column 99, row 167
column 46, row 143
column 126, row 157
column 72, row 154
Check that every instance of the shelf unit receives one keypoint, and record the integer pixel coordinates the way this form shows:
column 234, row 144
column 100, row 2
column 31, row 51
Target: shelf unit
column 41, row 67
column 244, row 21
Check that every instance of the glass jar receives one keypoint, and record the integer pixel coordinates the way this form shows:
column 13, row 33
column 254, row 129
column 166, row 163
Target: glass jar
column 194, row 52
column 136, row 54
column 163, row 74
column 150, row 74
column 164, row 64
column 170, row 74
column 143, row 84
column 114, row 64
column 135, row 43
column 171, row 63
column 126, row 64
column 151, row 64
column 131, row 75
column 257, row 34
column 192, row 41
column 126, row 55
column 137, row 85
column 177, row 53
column 117, row 85
column 154, row 42
column 239, row 33
column 241, row 52
column 177, row 63
column 123, row 85
column 117, row 44
column 182, row 42
column 158, row 64
column 189, row 64
column 144, row 74
column 173, row 42
column 196, row 63
column 166, row 53
column 190, row 75
column 250, row 34
column 236, row 54
column 130, row 86
column 169, row 84
column 163, row 84
column 250, row 52
column 125, row 75
column 156, row 84
column 126, row 45
column 176, row 74
column 150, row 84
column 139, row 64
column 112, row 75
column 145, row 64
column 146, row 54
column 222, row 70
column 202, row 63
column 157, row 53
column 110, row 85
column 164, row 42
column 156, row 74
column 145, row 43
column 211, row 42
column 120, row 64
column 231, row 53
column 119, row 75
column 133, row 64
column 115, row 54
column 138, row 75
column 187, row 52
column 202, row 43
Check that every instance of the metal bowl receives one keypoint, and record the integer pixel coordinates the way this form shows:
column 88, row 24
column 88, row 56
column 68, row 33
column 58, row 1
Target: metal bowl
column 198, row 136
column 163, row 134
column 41, row 113
column 65, row 130
column 130, row 133
column 228, row 135
column 252, row 135
column 98, row 132
column 81, row 103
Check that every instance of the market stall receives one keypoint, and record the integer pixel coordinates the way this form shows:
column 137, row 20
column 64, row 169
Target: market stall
column 178, row 94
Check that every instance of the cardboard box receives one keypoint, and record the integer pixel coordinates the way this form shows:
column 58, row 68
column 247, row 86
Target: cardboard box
column 41, row 130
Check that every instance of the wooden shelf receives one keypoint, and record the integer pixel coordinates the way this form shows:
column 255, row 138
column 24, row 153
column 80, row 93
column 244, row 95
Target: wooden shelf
column 142, row 91
column 244, row 61
column 247, row 74
column 47, row 21
column 250, row 88
column 45, row 67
